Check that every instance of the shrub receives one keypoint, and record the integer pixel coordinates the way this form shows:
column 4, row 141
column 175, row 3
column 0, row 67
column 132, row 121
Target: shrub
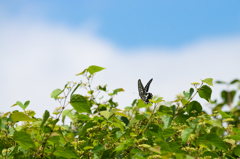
column 98, row 129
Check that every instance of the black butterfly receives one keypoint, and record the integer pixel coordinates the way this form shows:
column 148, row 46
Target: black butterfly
column 143, row 92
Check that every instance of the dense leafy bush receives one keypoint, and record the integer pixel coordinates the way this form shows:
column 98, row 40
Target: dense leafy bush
column 178, row 129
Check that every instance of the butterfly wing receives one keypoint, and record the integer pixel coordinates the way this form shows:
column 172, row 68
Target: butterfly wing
column 148, row 85
column 141, row 90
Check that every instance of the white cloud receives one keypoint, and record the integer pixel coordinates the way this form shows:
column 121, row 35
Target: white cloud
column 36, row 58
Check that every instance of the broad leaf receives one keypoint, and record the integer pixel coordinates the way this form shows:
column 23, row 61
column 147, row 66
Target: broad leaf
column 164, row 110
column 24, row 140
column 167, row 120
column 19, row 116
column 141, row 104
column 80, row 104
column 216, row 141
column 185, row 134
column 65, row 152
column 65, row 113
column 21, row 105
column 223, row 114
column 93, row 69
column 226, row 96
column 237, row 150
column 56, row 93
column 208, row 81
column 205, row 92
column 194, row 105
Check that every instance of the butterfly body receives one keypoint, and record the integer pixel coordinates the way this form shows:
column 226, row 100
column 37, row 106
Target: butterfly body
column 143, row 91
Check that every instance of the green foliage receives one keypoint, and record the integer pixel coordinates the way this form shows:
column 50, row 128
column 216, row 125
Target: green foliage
column 99, row 130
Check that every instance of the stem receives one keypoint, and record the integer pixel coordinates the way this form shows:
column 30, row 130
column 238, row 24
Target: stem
column 188, row 102
column 150, row 118
column 229, row 97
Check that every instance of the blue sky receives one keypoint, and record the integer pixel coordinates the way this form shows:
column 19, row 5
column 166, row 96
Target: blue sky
column 138, row 23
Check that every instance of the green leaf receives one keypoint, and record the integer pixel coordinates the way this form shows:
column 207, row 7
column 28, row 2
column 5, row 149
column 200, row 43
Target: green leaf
column 136, row 150
column 83, row 117
column 228, row 95
column 236, row 130
column 79, row 84
column 185, row 134
column 65, row 152
column 26, row 104
column 167, row 120
column 121, row 114
column 234, row 81
column 128, row 108
column 220, row 82
column 205, row 92
column 56, row 93
column 45, row 118
column 216, row 123
column 237, row 150
column 65, row 113
column 218, row 106
column 184, row 101
column 156, row 131
column 216, row 141
column 80, row 104
column 98, row 148
column 155, row 149
column 81, row 72
column 1, row 147
column 20, row 116
column 210, row 153
column 104, row 88
column 21, row 105
column 106, row 114
column 24, row 140
column 89, row 124
column 134, row 102
column 164, row 110
column 208, row 81
column 194, row 105
column 141, row 104
column 164, row 147
column 124, row 119
column 158, row 100
column 223, row 114
column 188, row 94
column 176, row 147
column 168, row 132
column 125, row 144
column 93, row 69
column 235, row 137
column 118, row 90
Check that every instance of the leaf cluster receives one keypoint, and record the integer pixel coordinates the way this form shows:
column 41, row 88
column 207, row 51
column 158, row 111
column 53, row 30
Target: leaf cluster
column 98, row 129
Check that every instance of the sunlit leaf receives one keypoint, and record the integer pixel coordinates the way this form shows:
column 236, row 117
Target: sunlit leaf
column 20, row 116
column 185, row 134
column 93, row 69
column 208, row 81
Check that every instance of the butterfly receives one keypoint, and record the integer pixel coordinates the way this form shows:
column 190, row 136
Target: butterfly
column 143, row 91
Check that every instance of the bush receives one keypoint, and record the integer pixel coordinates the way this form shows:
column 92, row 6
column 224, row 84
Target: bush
column 99, row 130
